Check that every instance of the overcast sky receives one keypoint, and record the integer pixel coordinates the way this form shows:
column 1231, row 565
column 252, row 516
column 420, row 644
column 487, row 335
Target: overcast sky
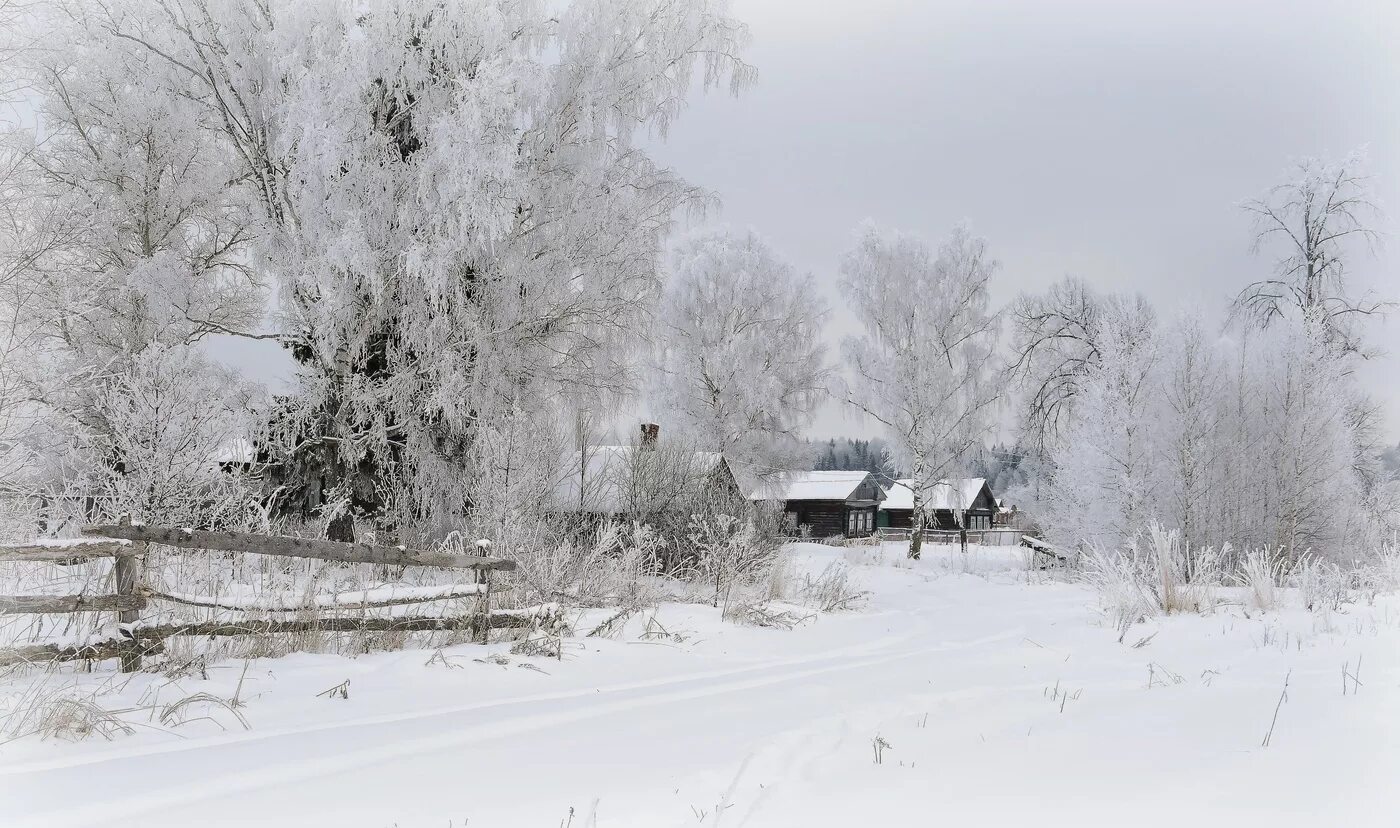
column 1112, row 141
column 1109, row 140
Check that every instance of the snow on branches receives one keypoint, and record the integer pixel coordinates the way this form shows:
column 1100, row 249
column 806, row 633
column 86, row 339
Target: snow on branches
column 926, row 368
column 742, row 366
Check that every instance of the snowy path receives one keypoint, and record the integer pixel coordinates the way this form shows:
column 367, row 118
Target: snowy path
column 740, row 726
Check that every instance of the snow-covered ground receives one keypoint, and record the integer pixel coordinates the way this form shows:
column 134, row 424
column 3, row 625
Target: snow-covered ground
column 1001, row 695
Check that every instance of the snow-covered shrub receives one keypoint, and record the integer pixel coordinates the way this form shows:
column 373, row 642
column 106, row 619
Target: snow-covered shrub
column 1263, row 572
column 1118, row 580
column 831, row 590
column 174, row 426
column 70, row 712
column 1182, row 579
column 1382, row 574
column 759, row 614
column 1322, row 584
column 780, row 581
column 730, row 552
column 64, row 716
column 1158, row 574
column 611, row 565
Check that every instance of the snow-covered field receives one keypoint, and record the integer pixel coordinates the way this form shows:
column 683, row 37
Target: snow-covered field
column 1001, row 696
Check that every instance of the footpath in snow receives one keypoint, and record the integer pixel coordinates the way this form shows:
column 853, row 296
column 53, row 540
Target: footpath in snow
column 988, row 695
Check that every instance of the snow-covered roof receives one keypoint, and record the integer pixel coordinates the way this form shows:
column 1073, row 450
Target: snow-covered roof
column 952, row 495
column 598, row 477
column 813, row 485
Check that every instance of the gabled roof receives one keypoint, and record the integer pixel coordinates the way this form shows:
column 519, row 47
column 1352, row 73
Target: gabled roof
column 952, row 495
column 813, row 485
column 597, row 476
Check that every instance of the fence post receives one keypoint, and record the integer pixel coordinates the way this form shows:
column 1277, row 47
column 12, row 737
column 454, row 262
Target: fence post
column 483, row 577
column 127, row 569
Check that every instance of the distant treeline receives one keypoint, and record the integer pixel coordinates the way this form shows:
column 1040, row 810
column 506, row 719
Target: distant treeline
column 1001, row 465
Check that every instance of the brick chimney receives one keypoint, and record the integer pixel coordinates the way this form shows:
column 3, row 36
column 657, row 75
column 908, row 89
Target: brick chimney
column 651, row 432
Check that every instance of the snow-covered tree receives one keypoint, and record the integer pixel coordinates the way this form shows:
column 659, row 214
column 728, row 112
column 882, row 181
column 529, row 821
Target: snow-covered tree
column 741, row 364
column 1314, row 412
column 926, row 367
column 1189, row 423
column 1103, row 486
column 158, row 236
column 136, row 235
column 1312, row 219
column 1248, row 438
column 462, row 219
column 25, row 236
column 1308, row 489
column 1054, row 343
column 175, row 435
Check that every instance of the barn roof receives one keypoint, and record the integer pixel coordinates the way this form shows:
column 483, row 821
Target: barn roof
column 813, row 485
column 958, row 493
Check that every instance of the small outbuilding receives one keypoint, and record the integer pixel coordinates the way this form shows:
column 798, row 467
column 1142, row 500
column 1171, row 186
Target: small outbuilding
column 827, row 503
column 967, row 502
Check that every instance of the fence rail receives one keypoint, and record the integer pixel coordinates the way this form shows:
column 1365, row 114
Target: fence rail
column 984, row 537
column 77, row 551
column 127, row 544
column 31, row 604
column 296, row 547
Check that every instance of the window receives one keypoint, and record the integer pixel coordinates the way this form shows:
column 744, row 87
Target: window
column 851, row 518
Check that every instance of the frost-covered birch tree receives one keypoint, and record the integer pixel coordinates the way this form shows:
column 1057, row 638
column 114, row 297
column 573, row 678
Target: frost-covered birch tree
column 741, row 364
column 462, row 219
column 1190, row 424
column 1312, row 220
column 1316, row 221
column 926, row 367
column 25, row 236
column 1104, row 481
column 158, row 232
column 147, row 233
column 1307, row 481
column 1054, row 344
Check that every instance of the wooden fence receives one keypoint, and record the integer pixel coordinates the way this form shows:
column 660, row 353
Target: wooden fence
column 126, row 544
column 985, row 537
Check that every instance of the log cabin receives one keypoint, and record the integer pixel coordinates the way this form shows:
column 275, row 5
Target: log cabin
column 966, row 502
column 827, row 503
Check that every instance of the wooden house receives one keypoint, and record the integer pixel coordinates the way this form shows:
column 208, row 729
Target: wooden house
column 827, row 503
column 964, row 502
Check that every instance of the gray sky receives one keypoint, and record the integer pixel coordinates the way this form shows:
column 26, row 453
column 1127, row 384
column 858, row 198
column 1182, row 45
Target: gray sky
column 1108, row 140
column 1112, row 141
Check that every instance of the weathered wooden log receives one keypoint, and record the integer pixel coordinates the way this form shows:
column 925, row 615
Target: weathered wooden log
column 149, row 639
column 71, row 603
column 68, row 553
column 37, row 653
column 326, row 602
column 298, row 547
column 470, row 623
column 126, row 571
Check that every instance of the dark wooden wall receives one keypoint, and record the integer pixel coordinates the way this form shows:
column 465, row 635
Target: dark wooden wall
column 825, row 517
column 898, row 518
